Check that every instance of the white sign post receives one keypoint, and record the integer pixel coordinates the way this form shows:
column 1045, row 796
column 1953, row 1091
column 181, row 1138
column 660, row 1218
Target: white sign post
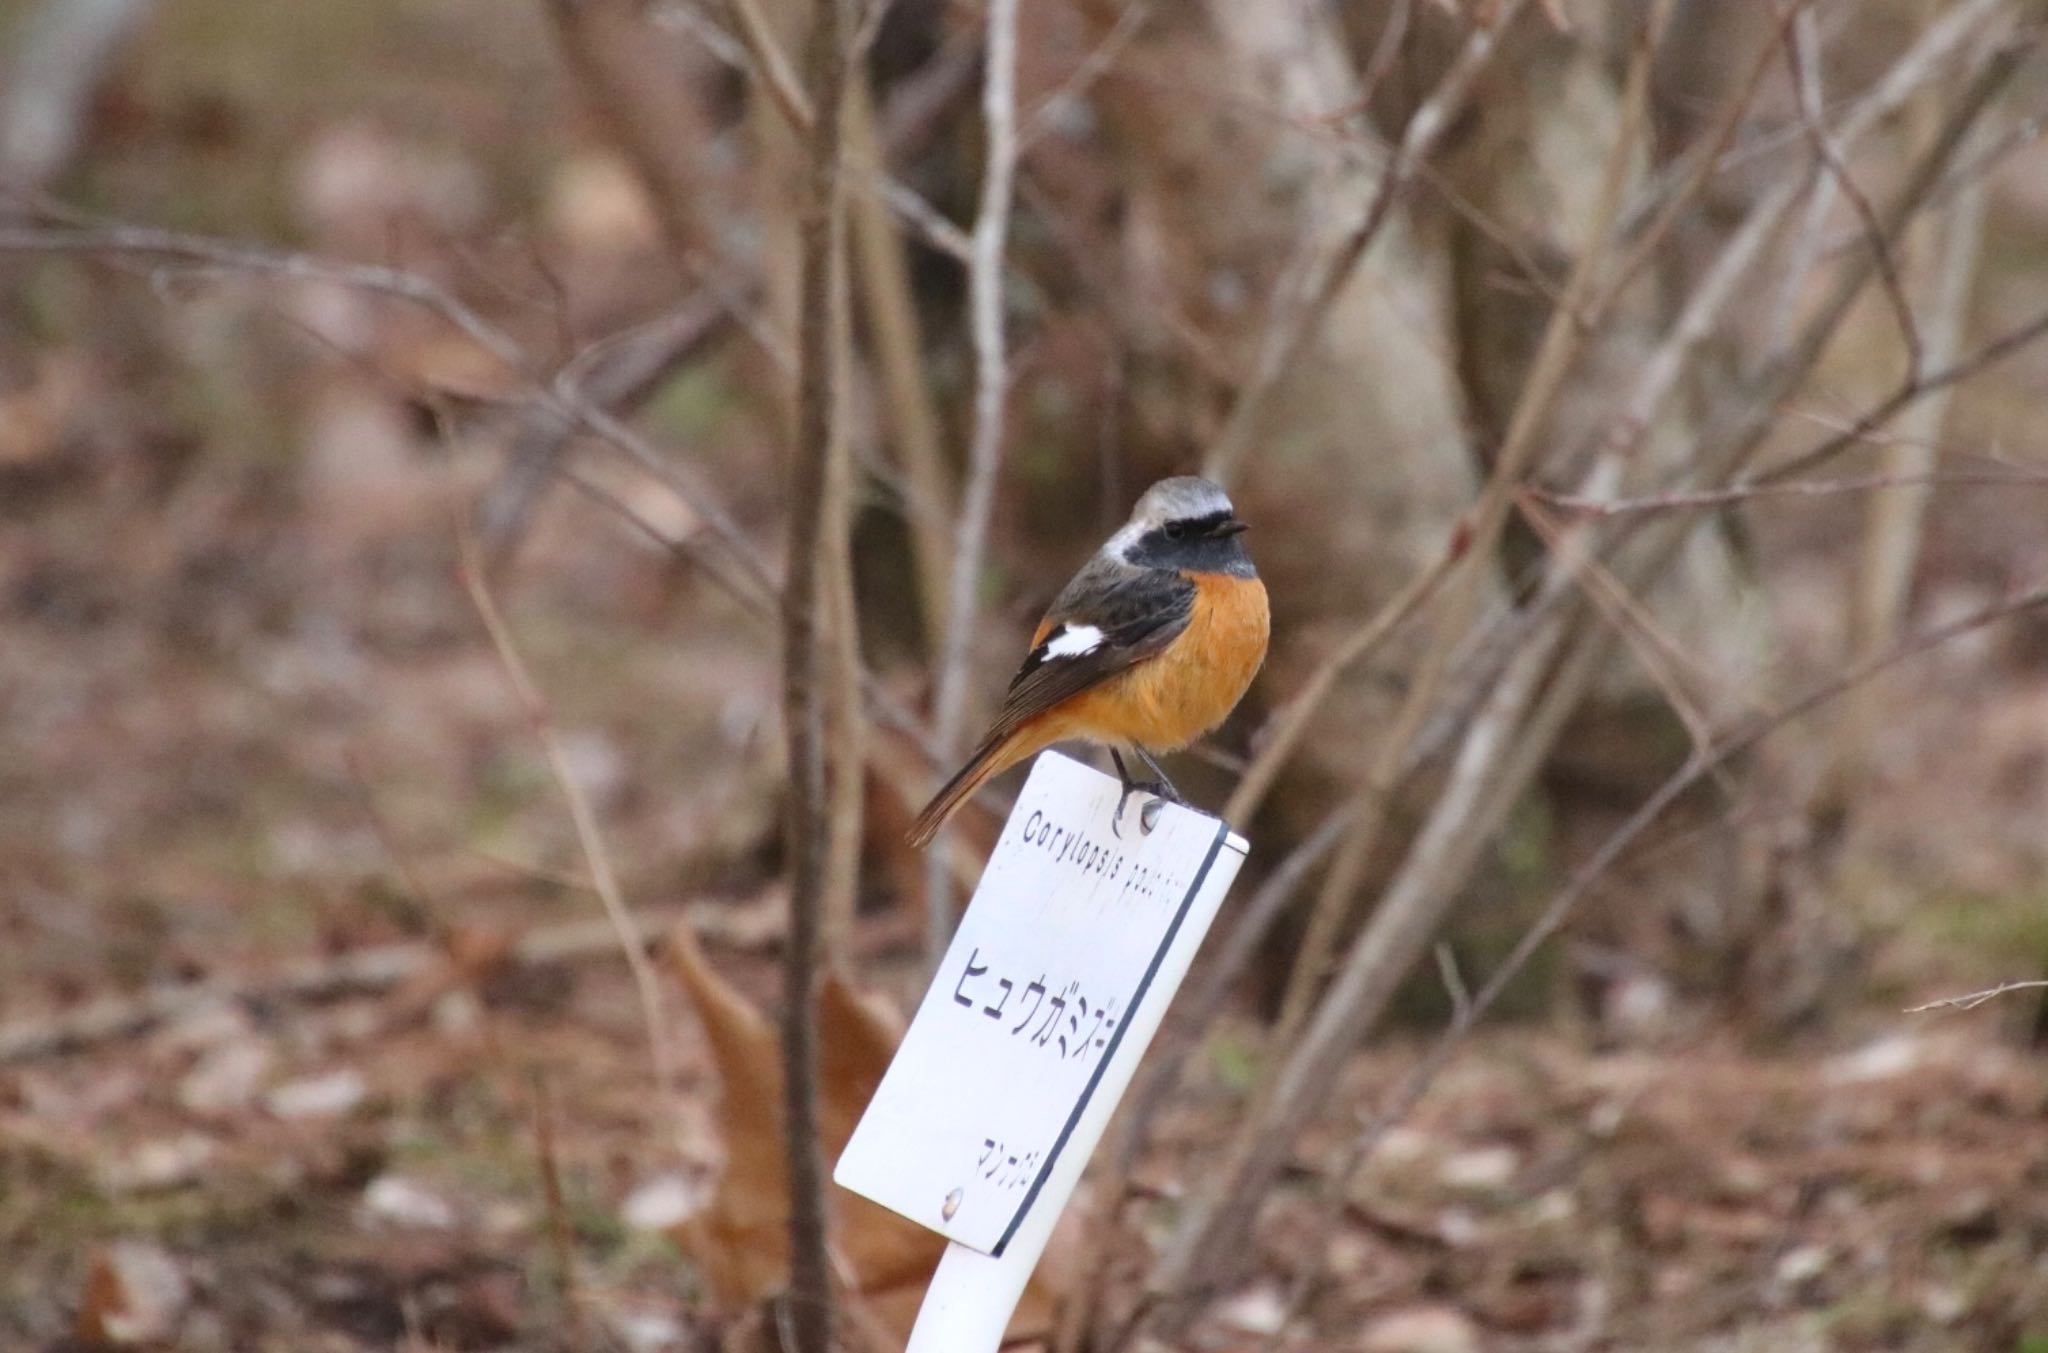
column 1055, row 982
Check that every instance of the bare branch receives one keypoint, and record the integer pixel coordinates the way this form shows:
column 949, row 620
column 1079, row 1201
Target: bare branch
column 602, row 876
column 1571, row 319
column 985, row 450
column 1039, row 120
column 1734, row 495
column 890, row 307
column 1193, row 1014
column 201, row 254
column 1830, row 156
column 812, row 595
column 623, row 371
column 1297, row 326
column 1976, row 998
column 1291, row 721
column 1997, row 350
column 769, row 64
column 627, row 368
column 1804, row 46
column 1698, row 167
column 1896, row 519
column 1711, row 296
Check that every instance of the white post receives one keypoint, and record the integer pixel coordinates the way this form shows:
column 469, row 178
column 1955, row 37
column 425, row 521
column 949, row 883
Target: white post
column 985, row 1121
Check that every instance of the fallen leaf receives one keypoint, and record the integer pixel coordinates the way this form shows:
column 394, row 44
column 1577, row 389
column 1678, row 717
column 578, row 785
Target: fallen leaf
column 328, row 1096
column 393, row 1200
column 135, row 1293
column 739, row 1238
column 226, row 1078
column 661, row 1202
column 1421, row 1329
column 162, row 1163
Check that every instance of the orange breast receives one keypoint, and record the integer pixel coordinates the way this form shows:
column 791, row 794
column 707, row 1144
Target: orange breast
column 1173, row 699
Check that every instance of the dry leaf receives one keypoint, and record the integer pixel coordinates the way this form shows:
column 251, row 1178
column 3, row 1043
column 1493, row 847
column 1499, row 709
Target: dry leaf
column 739, row 1240
column 35, row 419
column 134, row 1294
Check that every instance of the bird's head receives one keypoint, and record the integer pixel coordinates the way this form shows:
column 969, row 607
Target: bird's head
column 1186, row 524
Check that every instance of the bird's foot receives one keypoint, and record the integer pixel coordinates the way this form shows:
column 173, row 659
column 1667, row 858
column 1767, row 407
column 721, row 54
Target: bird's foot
column 1161, row 790
column 1148, row 816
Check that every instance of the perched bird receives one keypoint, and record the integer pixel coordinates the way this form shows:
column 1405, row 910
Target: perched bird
column 1150, row 646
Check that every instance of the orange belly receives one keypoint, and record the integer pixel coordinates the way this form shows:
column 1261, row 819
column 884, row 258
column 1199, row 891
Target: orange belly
column 1169, row 701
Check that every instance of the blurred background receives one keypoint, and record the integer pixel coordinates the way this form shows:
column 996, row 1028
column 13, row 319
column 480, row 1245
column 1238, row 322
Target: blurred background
column 1599, row 379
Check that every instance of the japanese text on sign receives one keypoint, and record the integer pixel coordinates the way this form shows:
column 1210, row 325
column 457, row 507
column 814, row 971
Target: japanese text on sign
column 1042, row 982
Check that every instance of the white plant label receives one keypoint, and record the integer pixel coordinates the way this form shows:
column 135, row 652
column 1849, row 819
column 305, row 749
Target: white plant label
column 1055, row 981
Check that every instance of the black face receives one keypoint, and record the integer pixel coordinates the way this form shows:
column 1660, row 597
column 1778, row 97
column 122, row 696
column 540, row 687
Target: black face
column 1207, row 544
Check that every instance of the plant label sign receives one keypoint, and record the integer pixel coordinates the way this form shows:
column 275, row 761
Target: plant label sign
column 1057, row 978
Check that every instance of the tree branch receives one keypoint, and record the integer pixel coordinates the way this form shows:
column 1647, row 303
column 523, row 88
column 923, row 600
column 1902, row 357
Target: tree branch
column 1298, row 326
column 808, row 600
column 985, row 450
column 1977, row 998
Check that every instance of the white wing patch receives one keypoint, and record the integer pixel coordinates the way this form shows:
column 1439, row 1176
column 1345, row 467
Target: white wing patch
column 1072, row 641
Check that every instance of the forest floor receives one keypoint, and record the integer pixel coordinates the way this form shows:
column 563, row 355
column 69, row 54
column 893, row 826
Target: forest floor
column 248, row 739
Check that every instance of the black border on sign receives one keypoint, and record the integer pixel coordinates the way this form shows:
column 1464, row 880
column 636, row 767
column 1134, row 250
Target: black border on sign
column 1116, row 1039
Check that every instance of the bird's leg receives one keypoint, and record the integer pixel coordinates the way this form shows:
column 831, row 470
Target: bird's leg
column 1131, row 787
column 1164, row 785
column 1162, row 788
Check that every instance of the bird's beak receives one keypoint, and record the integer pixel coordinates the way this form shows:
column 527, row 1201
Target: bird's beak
column 1231, row 528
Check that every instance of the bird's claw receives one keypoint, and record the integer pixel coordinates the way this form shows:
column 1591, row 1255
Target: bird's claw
column 1148, row 816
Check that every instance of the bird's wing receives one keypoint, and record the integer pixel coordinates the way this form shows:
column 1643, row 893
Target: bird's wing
column 1111, row 617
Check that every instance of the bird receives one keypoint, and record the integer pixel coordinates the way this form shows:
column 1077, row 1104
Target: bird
column 1149, row 646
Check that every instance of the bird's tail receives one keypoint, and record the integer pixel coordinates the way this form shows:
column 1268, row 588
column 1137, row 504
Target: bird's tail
column 990, row 759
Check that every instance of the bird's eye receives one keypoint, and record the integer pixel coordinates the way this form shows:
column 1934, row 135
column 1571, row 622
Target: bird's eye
column 1174, row 530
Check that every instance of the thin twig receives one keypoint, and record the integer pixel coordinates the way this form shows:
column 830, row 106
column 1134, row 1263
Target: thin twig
column 985, row 449
column 1385, row 51
column 226, row 255
column 1737, row 494
column 1895, row 520
column 1658, row 654
column 595, row 855
column 1977, row 998
column 1805, row 46
column 890, row 307
column 1726, row 447
column 1038, row 121
column 1291, row 722
column 561, row 1234
column 1297, row 326
column 1990, row 354
column 637, row 361
column 770, row 65
column 845, row 721
column 1830, row 156
column 203, row 254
